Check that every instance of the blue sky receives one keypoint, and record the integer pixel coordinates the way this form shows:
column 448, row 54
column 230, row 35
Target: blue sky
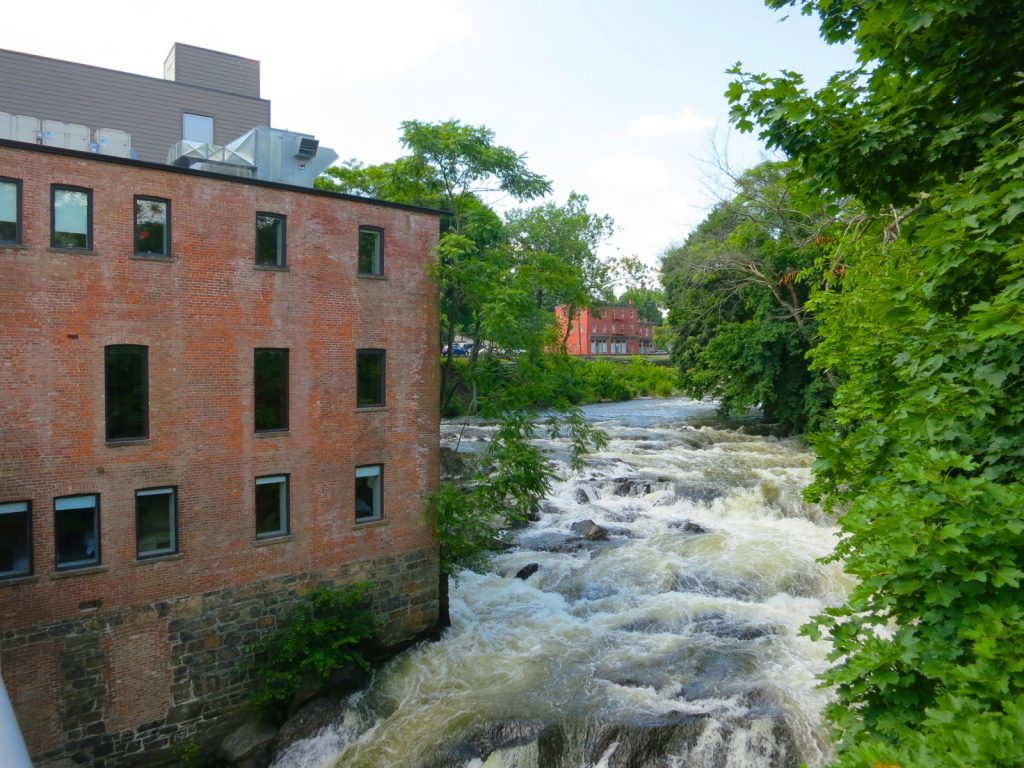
column 619, row 101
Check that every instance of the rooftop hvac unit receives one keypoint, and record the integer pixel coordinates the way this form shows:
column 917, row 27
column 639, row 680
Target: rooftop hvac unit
column 110, row 141
column 66, row 135
column 19, row 128
column 269, row 154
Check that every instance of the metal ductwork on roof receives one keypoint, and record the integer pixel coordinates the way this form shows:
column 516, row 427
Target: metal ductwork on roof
column 268, row 154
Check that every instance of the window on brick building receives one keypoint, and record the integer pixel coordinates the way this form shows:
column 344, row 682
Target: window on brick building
column 156, row 521
column 76, row 529
column 371, row 251
column 126, row 371
column 70, row 217
column 370, row 377
column 10, row 211
column 15, row 539
column 270, row 240
column 152, row 226
column 271, row 506
column 369, row 493
column 270, row 389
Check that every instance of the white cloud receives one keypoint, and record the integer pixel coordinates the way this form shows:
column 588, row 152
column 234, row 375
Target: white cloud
column 687, row 121
column 630, row 173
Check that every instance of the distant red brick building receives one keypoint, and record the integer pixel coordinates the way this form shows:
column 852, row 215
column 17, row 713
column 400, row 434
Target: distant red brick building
column 216, row 393
column 607, row 329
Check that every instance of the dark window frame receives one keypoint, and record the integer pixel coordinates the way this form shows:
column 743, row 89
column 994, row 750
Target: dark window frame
column 174, row 549
column 381, row 400
column 374, row 516
column 18, row 210
column 379, row 232
column 166, row 253
column 76, row 564
column 54, row 188
column 286, row 481
column 281, row 261
column 28, row 542
column 285, row 406
column 107, row 395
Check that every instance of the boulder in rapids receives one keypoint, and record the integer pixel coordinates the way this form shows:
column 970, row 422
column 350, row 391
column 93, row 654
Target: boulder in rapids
column 590, row 530
column 527, row 571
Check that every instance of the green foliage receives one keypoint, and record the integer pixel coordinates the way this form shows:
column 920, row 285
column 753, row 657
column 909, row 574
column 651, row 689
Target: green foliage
column 187, row 752
column 512, row 478
column 640, row 288
column 320, row 636
column 737, row 295
column 926, row 337
column 932, row 91
column 555, row 382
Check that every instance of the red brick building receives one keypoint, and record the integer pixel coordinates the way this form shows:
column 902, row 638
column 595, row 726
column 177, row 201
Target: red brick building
column 216, row 393
column 607, row 329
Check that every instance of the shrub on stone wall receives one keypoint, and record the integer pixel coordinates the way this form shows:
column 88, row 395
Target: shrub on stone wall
column 319, row 639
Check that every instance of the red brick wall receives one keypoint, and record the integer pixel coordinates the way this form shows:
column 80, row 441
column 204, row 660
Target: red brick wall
column 201, row 313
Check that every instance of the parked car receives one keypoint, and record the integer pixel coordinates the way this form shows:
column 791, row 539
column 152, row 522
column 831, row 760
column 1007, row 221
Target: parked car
column 458, row 350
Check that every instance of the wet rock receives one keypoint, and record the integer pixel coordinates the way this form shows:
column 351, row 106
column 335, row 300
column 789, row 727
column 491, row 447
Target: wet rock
column 552, row 542
column 455, row 466
column 672, row 739
column 621, row 515
column 527, row 571
column 509, row 733
column 721, row 625
column 701, row 494
column 715, row 587
column 549, row 508
column 640, row 486
column 584, row 495
column 691, row 527
column 688, row 526
column 310, row 719
column 589, row 530
column 650, row 626
column 248, row 746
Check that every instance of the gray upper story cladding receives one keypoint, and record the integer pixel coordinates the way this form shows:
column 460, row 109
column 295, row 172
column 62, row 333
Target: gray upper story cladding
column 201, row 90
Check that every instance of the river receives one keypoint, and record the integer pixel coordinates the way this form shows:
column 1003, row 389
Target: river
column 672, row 643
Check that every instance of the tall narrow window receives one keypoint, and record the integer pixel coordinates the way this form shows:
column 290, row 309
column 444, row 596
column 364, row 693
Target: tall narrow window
column 270, row 240
column 15, row 539
column 198, row 128
column 271, row 506
column 371, row 251
column 369, row 493
column 156, row 522
column 152, row 226
column 10, row 211
column 76, row 528
column 369, row 377
column 71, row 217
column 270, row 395
column 127, row 396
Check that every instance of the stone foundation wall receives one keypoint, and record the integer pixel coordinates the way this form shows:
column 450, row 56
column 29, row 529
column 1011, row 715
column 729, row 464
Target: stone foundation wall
column 123, row 687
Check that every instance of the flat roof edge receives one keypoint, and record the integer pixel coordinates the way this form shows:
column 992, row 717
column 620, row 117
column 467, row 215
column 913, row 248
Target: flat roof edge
column 40, row 148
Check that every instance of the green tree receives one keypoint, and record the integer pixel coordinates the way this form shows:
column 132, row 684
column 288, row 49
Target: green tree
column 737, row 294
column 925, row 333
column 450, row 166
column 640, row 282
column 551, row 260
